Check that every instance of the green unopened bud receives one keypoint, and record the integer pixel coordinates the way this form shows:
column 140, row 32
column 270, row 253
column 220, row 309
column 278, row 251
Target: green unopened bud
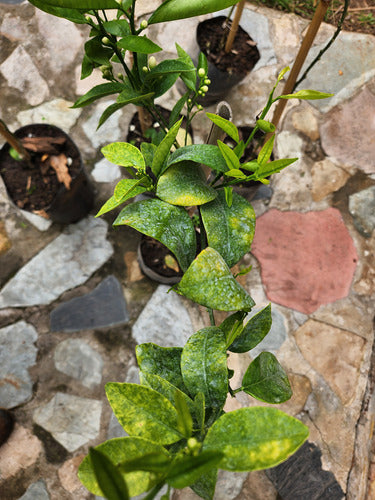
column 88, row 18
column 199, row 107
column 152, row 62
column 189, row 101
column 144, row 69
column 201, row 73
column 144, row 24
column 207, row 81
column 193, row 443
column 105, row 40
column 120, row 76
column 200, row 92
column 204, row 88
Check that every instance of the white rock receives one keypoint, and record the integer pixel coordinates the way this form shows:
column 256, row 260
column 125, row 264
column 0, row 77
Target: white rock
column 108, row 132
column 21, row 73
column 56, row 112
column 105, row 171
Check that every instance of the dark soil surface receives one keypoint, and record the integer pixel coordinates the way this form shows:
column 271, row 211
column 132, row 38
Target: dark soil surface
column 154, row 255
column 211, row 36
column 34, row 188
column 360, row 17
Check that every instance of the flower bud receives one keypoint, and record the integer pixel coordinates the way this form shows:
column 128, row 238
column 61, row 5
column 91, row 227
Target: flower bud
column 145, row 69
column 207, row 81
column 200, row 107
column 105, row 40
column 144, row 24
column 201, row 73
column 152, row 62
column 204, row 88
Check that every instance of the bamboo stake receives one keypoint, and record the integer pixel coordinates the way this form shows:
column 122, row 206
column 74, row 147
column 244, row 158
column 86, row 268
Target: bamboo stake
column 15, row 143
column 234, row 26
column 301, row 56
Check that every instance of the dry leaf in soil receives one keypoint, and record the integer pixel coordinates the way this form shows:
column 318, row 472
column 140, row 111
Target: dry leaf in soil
column 59, row 164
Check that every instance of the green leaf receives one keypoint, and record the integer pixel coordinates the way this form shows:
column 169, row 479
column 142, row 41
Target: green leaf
column 274, row 167
column 148, row 152
column 306, row 94
column 230, row 230
column 137, row 43
column 95, row 51
column 204, row 366
column 115, row 202
column 200, row 153
column 229, row 128
column 97, row 92
column 188, row 77
column 163, row 83
column 202, row 62
column 184, row 184
column 266, row 151
column 152, row 462
column 109, row 478
column 132, row 96
column 266, row 380
column 266, row 126
column 84, row 4
column 117, row 27
column 166, row 223
column 228, row 192
column 73, row 15
column 162, row 151
column 209, row 282
column 181, row 9
column 252, row 166
column 162, row 361
column 168, row 66
column 124, row 154
column 184, row 417
column 232, row 323
column 119, row 450
column 188, row 469
column 177, row 108
column 236, row 173
column 229, row 156
column 143, row 412
column 125, row 188
column 109, row 112
column 205, row 485
column 255, row 438
column 200, row 411
column 254, row 331
column 168, row 390
column 87, row 67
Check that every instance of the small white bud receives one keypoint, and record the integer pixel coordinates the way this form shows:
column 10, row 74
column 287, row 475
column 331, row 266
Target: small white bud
column 144, row 24
column 201, row 73
column 204, row 88
column 152, row 62
column 200, row 107
column 105, row 40
column 145, row 69
column 207, row 81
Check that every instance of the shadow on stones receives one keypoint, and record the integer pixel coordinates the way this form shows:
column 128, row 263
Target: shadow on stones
column 301, row 477
column 55, row 452
column 357, row 182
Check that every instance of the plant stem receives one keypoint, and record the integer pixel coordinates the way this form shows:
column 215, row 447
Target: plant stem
column 234, row 26
column 211, row 315
column 155, row 490
column 15, row 143
column 301, row 56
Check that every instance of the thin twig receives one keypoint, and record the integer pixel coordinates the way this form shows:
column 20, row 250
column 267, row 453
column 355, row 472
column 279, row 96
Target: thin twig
column 15, row 143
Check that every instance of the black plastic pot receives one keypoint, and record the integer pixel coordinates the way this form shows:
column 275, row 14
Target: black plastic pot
column 62, row 205
column 153, row 271
column 221, row 80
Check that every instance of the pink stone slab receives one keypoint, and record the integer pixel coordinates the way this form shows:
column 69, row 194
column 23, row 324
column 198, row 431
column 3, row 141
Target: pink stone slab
column 306, row 259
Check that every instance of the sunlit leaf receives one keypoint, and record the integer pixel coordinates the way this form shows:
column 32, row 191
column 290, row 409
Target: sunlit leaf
column 229, row 128
column 109, row 478
column 254, row 331
column 124, row 154
column 306, row 94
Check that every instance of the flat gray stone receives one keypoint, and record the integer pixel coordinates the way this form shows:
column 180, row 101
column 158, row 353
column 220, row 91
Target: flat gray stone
column 17, row 354
column 65, row 263
column 76, row 358
column 275, row 337
column 73, row 421
column 104, row 306
column 36, row 491
column 105, row 171
column 164, row 320
column 362, row 209
column 347, row 65
column 109, row 132
column 21, row 73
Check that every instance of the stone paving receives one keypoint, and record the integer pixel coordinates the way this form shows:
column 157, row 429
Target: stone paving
column 73, row 302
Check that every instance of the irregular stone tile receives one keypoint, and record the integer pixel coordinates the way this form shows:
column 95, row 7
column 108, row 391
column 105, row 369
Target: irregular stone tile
column 275, row 337
column 35, row 491
column 347, row 65
column 41, row 223
column 306, row 122
column 306, row 259
column 62, row 40
column 63, row 264
column 13, row 28
column 133, row 271
column 80, row 361
column 20, row 452
column 108, row 132
column 362, row 209
column 68, row 474
column 302, row 476
column 56, row 112
column 17, row 354
column 73, row 421
column 104, row 306
column 286, row 35
column 228, row 486
column 327, row 178
column 342, row 131
column 5, row 243
column 105, row 171
column 365, row 285
column 83, row 86
column 21, row 73
column 164, row 320
column 289, row 145
column 334, row 353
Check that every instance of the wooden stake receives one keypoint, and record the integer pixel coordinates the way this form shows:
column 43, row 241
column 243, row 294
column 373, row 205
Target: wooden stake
column 234, row 27
column 14, row 142
column 301, row 56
